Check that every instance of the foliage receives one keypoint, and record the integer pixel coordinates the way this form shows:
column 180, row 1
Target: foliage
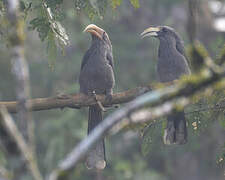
column 42, row 27
column 135, row 3
column 150, row 138
column 48, row 17
column 58, row 131
column 87, row 7
column 116, row 3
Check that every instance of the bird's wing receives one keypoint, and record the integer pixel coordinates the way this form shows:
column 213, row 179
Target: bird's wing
column 109, row 57
column 180, row 48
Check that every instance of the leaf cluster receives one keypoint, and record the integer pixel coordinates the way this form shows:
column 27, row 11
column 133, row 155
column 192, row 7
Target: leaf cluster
column 98, row 7
column 41, row 25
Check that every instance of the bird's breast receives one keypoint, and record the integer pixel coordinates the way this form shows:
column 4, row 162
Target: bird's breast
column 97, row 75
column 170, row 68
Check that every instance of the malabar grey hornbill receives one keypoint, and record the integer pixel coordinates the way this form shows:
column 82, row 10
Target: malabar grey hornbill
column 97, row 77
column 171, row 65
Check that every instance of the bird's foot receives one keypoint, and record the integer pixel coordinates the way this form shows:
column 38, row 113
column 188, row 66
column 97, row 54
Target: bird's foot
column 108, row 98
column 98, row 102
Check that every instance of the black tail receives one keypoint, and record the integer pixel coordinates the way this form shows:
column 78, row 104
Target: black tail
column 96, row 156
column 176, row 130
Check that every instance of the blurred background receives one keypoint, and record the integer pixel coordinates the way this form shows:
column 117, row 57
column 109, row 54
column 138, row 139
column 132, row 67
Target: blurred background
column 134, row 153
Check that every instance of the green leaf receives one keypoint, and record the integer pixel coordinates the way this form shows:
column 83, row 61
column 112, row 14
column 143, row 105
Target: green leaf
column 221, row 157
column 135, row 3
column 51, row 49
column 86, row 7
column 79, row 4
column 102, row 5
column 41, row 25
column 90, row 10
column 53, row 3
column 222, row 120
column 116, row 3
column 22, row 6
column 150, row 137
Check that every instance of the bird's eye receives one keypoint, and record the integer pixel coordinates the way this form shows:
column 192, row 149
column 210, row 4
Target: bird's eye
column 164, row 30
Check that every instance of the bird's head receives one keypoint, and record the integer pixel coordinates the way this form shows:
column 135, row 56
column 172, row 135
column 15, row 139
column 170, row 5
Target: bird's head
column 160, row 32
column 97, row 33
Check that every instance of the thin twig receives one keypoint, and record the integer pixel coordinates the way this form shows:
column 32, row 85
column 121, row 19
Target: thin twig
column 26, row 151
column 98, row 102
column 151, row 114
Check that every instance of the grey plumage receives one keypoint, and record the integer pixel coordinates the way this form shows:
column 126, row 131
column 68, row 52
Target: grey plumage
column 171, row 56
column 97, row 69
column 97, row 76
column 171, row 65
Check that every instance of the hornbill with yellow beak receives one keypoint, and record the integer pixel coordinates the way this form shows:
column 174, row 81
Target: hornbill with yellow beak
column 97, row 77
column 171, row 65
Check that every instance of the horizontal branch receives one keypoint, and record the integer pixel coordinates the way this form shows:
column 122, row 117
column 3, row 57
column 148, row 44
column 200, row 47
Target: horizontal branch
column 75, row 100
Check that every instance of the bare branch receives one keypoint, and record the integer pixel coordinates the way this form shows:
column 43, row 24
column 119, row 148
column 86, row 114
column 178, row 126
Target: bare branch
column 149, row 114
column 76, row 100
column 152, row 114
column 23, row 147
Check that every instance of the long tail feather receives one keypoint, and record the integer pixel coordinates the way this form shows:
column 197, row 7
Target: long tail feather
column 176, row 130
column 96, row 157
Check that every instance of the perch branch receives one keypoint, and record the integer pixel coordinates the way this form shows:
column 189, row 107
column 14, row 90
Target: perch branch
column 75, row 100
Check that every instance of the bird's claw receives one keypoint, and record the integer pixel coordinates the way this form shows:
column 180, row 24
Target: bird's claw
column 108, row 98
column 93, row 93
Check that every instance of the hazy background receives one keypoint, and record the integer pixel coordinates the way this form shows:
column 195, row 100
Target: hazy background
column 128, row 155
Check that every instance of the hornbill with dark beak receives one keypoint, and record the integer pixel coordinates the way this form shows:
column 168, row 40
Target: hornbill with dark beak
column 97, row 77
column 171, row 65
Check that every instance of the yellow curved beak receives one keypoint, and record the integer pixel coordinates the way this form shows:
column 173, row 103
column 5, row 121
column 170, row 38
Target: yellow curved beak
column 151, row 31
column 95, row 30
